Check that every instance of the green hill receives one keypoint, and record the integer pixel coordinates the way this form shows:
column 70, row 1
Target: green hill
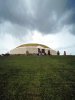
column 37, row 78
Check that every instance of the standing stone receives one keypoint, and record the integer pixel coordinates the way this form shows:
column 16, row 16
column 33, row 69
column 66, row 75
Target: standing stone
column 58, row 53
column 49, row 53
column 64, row 53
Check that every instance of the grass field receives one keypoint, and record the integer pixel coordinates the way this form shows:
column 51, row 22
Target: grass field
column 37, row 78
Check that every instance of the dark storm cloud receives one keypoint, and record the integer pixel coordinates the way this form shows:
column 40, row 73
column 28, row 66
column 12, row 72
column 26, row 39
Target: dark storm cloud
column 46, row 16
column 14, row 11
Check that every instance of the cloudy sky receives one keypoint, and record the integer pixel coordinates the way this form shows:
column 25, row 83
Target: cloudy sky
column 49, row 22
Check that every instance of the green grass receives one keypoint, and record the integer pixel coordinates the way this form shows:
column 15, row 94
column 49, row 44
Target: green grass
column 37, row 78
column 33, row 44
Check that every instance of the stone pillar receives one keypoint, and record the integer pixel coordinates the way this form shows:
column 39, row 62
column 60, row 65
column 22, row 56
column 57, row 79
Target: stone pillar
column 49, row 53
column 58, row 53
column 64, row 53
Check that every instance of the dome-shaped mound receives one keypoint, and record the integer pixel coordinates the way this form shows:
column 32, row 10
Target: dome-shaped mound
column 33, row 44
column 33, row 48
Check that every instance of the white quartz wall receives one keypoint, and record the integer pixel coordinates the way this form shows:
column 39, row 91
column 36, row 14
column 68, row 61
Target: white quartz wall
column 30, row 50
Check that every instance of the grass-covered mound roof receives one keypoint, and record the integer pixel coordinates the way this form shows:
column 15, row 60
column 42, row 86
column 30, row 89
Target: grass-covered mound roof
column 33, row 44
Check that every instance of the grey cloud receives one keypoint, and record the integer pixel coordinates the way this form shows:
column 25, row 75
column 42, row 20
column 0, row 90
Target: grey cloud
column 14, row 11
column 36, row 15
column 14, row 30
column 72, row 29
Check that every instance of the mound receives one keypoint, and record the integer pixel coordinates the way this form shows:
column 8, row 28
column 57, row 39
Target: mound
column 33, row 48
